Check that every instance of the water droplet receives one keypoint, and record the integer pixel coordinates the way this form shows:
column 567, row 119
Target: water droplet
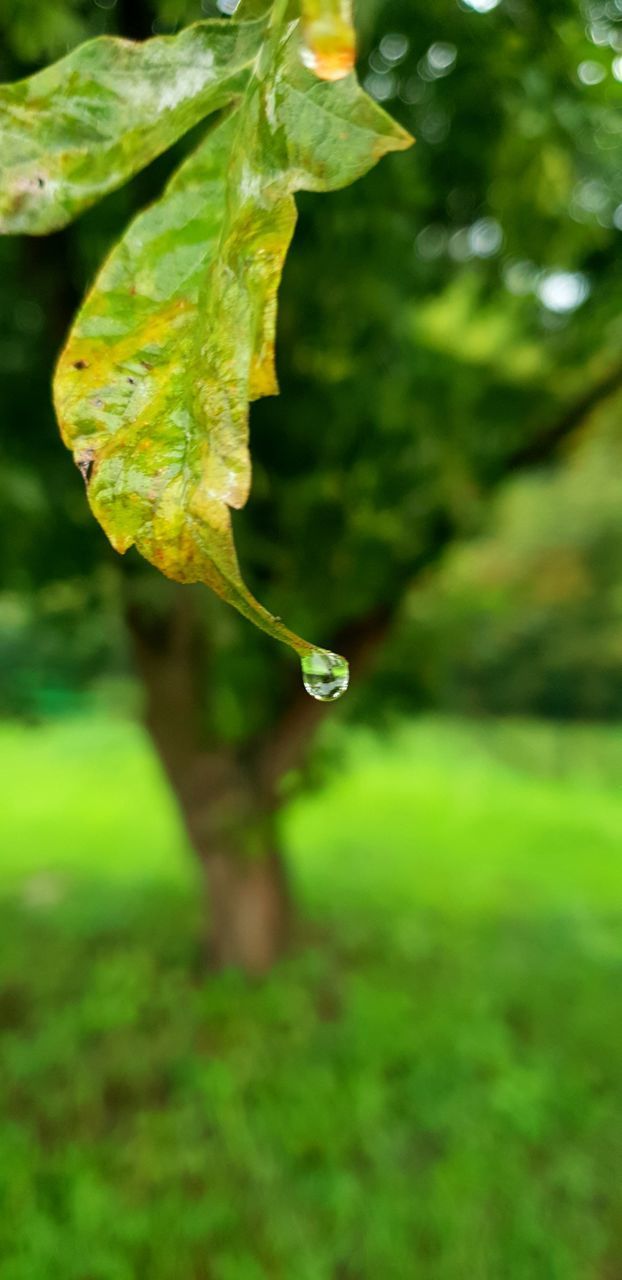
column 325, row 675
column 328, row 46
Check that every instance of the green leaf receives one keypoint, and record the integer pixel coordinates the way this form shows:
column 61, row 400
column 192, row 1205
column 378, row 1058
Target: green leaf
column 177, row 335
column 82, row 127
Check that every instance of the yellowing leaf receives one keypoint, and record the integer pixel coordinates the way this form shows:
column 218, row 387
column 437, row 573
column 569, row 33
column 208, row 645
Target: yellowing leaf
column 177, row 334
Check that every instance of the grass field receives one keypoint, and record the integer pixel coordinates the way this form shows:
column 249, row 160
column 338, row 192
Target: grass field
column 431, row 1090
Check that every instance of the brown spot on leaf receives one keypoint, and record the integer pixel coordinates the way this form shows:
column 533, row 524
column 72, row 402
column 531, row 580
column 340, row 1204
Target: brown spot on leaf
column 81, row 364
column 84, row 462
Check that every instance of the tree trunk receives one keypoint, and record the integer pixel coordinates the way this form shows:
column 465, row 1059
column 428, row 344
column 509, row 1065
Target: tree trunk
column 228, row 814
column 248, row 906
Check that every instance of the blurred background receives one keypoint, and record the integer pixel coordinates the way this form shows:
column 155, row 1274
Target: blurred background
column 425, row 1080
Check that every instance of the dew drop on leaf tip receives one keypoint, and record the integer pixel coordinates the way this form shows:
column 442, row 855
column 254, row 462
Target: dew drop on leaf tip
column 328, row 40
column 325, row 675
column 328, row 64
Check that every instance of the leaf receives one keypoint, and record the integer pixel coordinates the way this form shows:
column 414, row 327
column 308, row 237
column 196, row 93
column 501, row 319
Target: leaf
column 177, row 334
column 82, row 127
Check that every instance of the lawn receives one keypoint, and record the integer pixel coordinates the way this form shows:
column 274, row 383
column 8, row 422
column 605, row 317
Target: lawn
column 430, row 1089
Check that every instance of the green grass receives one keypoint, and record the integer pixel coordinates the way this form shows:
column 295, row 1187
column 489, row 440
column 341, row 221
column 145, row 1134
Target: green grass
column 501, row 817
column 431, row 1090
column 86, row 797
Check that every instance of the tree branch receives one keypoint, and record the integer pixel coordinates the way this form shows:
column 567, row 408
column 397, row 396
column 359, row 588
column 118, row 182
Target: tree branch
column 544, row 449
column 361, row 641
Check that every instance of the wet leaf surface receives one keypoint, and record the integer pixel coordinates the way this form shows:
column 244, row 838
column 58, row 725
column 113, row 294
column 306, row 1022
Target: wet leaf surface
column 83, row 126
column 177, row 335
